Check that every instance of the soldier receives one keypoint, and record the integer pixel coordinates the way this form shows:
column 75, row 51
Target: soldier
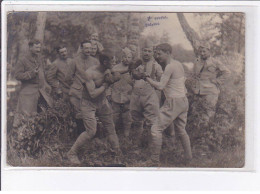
column 121, row 92
column 94, row 39
column 175, row 106
column 30, row 71
column 144, row 101
column 60, row 75
column 209, row 73
column 82, row 62
column 94, row 103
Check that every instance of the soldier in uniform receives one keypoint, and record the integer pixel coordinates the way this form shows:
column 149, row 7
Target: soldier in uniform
column 175, row 106
column 121, row 92
column 82, row 62
column 209, row 73
column 94, row 103
column 144, row 103
column 60, row 75
column 30, row 70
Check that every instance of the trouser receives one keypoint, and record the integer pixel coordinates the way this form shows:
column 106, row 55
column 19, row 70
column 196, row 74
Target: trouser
column 75, row 101
column 143, row 107
column 89, row 111
column 27, row 105
column 175, row 111
column 122, row 111
column 208, row 102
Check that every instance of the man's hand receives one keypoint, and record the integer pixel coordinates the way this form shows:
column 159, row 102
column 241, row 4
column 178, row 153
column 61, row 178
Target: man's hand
column 111, row 78
column 215, row 81
column 138, row 75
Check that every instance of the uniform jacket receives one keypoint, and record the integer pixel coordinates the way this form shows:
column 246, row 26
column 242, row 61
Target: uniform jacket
column 32, row 83
column 155, row 71
column 209, row 75
column 122, row 89
column 60, row 75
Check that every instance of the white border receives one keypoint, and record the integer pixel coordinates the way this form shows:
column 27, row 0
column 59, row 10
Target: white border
column 130, row 175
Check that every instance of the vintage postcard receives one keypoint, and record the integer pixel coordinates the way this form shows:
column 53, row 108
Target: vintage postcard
column 125, row 89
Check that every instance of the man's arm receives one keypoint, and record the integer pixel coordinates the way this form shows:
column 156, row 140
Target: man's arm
column 93, row 91
column 22, row 75
column 51, row 77
column 158, row 72
column 224, row 73
column 191, row 35
column 164, row 79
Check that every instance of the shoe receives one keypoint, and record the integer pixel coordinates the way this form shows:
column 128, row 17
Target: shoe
column 73, row 158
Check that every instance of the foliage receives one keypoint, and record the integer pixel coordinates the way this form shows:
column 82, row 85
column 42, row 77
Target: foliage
column 43, row 135
column 224, row 31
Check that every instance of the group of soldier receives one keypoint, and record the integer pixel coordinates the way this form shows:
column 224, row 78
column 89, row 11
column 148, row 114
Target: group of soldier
column 135, row 91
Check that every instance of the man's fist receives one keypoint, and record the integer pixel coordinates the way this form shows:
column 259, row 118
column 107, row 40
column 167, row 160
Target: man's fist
column 138, row 75
column 133, row 66
column 112, row 77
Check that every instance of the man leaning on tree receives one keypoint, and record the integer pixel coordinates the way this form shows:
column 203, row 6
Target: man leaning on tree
column 30, row 70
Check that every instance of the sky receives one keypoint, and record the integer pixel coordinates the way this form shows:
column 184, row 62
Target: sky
column 169, row 22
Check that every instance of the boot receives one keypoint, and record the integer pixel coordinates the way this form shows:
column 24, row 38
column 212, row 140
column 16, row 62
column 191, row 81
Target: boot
column 73, row 153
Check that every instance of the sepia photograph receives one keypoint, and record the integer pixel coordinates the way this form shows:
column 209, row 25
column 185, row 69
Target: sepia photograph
column 125, row 89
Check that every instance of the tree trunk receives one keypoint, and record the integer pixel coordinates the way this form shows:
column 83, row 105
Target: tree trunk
column 40, row 24
column 191, row 35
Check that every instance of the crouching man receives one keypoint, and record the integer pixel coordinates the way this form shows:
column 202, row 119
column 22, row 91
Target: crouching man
column 94, row 103
column 175, row 107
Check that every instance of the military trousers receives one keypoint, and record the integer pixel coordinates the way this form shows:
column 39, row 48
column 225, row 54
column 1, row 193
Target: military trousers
column 174, row 110
column 143, row 107
column 121, row 110
column 103, row 111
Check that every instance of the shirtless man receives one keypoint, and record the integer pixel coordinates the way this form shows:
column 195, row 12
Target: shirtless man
column 175, row 106
column 93, row 103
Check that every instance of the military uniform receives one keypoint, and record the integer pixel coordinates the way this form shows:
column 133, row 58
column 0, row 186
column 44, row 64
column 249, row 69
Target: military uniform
column 81, row 63
column 144, row 101
column 209, row 75
column 33, row 84
column 120, row 97
column 60, row 76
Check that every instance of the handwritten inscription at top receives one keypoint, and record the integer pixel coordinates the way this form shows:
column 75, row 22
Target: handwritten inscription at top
column 154, row 21
column 157, row 18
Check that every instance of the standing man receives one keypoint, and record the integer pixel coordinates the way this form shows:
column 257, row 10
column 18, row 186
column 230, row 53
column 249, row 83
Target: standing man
column 121, row 92
column 175, row 107
column 61, row 74
column 94, row 39
column 144, row 103
column 30, row 71
column 209, row 73
column 82, row 62
column 94, row 103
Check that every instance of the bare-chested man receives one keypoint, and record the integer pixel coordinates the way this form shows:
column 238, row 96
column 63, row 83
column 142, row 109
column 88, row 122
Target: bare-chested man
column 94, row 103
column 175, row 106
